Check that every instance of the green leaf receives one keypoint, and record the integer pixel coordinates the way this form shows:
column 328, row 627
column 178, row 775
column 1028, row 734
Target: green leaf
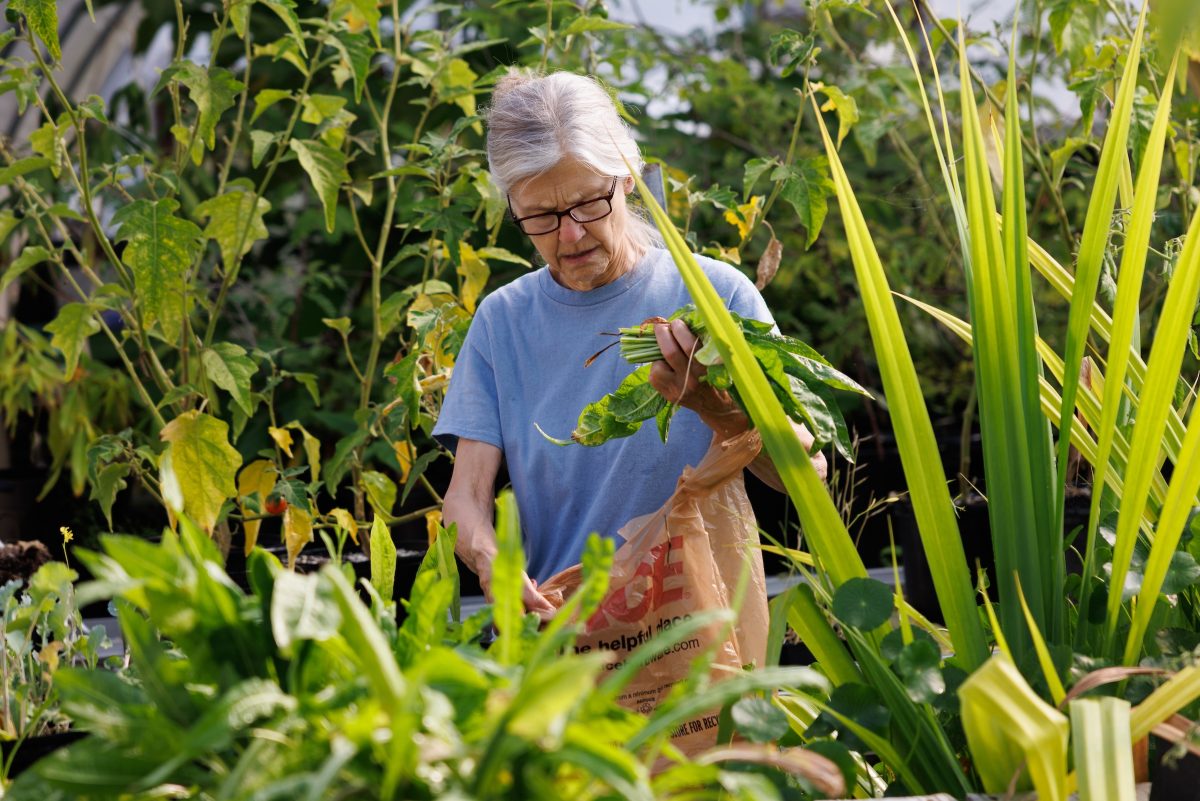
column 286, row 11
column 806, row 184
column 213, row 91
column 302, row 608
column 359, row 12
column 8, row 223
column 863, row 603
column 383, row 558
column 260, row 143
column 203, row 462
column 759, row 721
column 356, row 54
column 71, row 328
column 753, row 171
column 326, row 168
column 30, row 257
column 590, row 24
column 318, row 108
column 918, row 667
column 228, row 366
column 47, row 141
column 42, row 18
column 368, row 644
column 309, row 382
column 109, row 481
column 22, row 167
column 507, row 570
column 267, row 98
column 235, row 221
column 381, row 492
column 621, row 412
column 160, row 249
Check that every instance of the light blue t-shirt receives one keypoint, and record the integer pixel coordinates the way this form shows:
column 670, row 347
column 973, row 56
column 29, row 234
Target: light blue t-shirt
column 523, row 363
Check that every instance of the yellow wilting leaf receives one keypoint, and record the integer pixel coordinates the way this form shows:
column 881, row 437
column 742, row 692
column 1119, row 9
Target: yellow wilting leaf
column 312, row 451
column 457, row 81
column 297, row 532
column 747, row 213
column 433, row 522
column 404, row 455
column 474, row 272
column 346, row 520
column 283, row 438
column 48, row 656
column 258, row 476
column 201, row 464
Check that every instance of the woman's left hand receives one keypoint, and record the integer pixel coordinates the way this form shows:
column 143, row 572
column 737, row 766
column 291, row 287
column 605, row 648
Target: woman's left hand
column 677, row 378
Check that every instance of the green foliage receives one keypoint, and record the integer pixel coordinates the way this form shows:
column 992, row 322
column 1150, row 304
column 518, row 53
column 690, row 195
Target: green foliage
column 286, row 690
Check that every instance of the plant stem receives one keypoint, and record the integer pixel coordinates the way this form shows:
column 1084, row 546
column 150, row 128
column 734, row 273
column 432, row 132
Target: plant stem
column 238, row 120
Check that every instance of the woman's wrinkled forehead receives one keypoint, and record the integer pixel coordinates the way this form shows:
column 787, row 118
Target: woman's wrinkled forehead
column 567, row 182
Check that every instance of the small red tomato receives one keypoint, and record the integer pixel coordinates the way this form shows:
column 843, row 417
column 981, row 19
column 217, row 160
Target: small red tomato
column 276, row 505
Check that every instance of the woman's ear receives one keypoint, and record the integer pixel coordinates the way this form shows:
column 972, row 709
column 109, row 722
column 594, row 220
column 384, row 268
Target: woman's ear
column 627, row 184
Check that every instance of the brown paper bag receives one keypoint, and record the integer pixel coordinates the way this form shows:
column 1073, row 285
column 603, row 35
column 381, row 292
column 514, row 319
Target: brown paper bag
column 686, row 557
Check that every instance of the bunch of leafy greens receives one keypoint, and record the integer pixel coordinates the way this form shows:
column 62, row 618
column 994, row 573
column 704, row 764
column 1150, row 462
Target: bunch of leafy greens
column 802, row 379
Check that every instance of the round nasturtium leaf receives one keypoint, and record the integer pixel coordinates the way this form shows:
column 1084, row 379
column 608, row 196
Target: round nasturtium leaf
column 893, row 642
column 758, row 720
column 918, row 667
column 863, row 603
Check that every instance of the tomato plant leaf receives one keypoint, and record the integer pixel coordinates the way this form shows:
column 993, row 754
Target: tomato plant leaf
column 212, row 90
column 71, row 328
column 235, row 221
column 22, row 167
column 204, row 464
column 256, row 477
column 42, row 18
column 846, row 107
column 297, row 532
column 267, row 98
column 359, row 14
column 8, row 222
column 381, row 492
column 228, row 366
column 260, row 143
column 326, row 168
column 356, row 52
column 806, row 184
column 160, row 248
column 109, row 481
column 30, row 257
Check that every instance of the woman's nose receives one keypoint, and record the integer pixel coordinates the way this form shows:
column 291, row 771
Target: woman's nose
column 570, row 231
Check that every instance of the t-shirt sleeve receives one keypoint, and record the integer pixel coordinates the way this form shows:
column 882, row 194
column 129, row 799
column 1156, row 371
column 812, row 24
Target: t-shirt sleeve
column 471, row 409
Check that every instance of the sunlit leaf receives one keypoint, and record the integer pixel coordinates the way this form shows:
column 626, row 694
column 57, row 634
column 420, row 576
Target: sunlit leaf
column 204, row 464
column 297, row 532
column 258, row 476
column 228, row 366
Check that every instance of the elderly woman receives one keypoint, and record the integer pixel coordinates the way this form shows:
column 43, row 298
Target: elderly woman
column 558, row 148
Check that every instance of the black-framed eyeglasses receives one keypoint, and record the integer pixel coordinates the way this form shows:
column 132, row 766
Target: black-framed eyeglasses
column 548, row 222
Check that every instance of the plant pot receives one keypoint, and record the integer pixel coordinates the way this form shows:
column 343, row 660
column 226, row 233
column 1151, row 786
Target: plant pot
column 34, row 748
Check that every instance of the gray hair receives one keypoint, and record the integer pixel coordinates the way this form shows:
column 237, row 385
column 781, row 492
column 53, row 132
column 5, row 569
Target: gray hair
column 535, row 121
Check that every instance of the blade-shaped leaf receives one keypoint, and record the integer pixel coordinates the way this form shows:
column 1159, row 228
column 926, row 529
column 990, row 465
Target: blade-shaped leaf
column 1103, row 749
column 932, row 505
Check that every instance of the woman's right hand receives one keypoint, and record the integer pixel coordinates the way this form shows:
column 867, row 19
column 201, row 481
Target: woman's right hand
column 533, row 600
